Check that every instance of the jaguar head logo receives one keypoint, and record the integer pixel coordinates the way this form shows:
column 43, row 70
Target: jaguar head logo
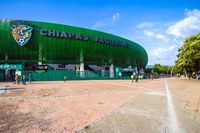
column 21, row 33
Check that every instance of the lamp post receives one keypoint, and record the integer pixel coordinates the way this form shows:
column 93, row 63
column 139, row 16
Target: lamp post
column 172, row 71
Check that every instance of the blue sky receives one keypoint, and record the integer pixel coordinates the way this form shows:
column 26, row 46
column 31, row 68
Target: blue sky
column 159, row 26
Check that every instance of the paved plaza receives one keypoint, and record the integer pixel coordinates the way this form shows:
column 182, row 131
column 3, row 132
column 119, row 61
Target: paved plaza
column 100, row 106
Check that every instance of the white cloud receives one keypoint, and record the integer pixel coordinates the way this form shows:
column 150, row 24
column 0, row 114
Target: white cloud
column 144, row 25
column 148, row 33
column 184, row 27
column 115, row 17
column 163, row 53
column 107, row 22
column 158, row 36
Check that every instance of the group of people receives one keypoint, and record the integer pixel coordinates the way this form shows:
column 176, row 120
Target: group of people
column 150, row 77
column 17, row 79
column 23, row 79
column 136, row 77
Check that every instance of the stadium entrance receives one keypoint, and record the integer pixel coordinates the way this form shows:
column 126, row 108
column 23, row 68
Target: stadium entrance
column 8, row 71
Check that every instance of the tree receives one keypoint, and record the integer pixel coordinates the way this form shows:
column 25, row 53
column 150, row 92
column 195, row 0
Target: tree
column 161, row 69
column 188, row 57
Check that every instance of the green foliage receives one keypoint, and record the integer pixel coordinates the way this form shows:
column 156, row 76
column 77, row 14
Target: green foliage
column 148, row 70
column 189, row 55
column 155, row 74
column 161, row 69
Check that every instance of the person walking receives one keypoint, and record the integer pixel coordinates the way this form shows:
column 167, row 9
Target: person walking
column 65, row 78
column 30, row 78
column 151, row 77
column 136, row 78
column 132, row 77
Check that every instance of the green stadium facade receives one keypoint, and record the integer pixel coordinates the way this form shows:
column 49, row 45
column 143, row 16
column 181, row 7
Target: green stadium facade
column 49, row 50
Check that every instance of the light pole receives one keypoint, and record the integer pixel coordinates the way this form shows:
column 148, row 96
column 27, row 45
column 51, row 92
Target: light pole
column 172, row 71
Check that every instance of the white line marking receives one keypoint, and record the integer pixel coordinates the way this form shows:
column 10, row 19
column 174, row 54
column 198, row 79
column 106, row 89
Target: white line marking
column 171, row 119
column 2, row 90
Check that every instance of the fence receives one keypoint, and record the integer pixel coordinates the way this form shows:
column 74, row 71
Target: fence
column 58, row 75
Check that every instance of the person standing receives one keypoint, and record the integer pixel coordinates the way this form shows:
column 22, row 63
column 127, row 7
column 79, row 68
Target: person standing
column 149, row 76
column 17, row 79
column 24, row 79
column 30, row 78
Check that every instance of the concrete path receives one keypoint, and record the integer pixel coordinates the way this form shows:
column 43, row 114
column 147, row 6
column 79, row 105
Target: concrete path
column 156, row 110
column 143, row 114
column 186, row 121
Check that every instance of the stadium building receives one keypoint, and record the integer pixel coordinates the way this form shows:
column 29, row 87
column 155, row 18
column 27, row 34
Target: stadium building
column 49, row 51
